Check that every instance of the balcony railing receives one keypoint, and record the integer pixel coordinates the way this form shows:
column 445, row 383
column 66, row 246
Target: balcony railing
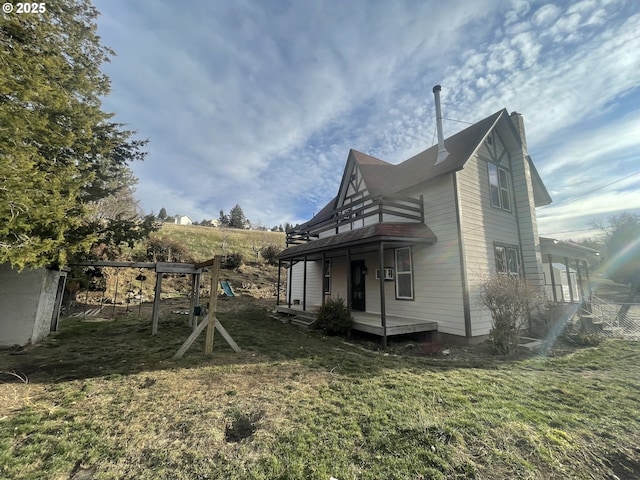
column 385, row 208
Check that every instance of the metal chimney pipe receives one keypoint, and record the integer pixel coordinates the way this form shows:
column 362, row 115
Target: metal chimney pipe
column 442, row 152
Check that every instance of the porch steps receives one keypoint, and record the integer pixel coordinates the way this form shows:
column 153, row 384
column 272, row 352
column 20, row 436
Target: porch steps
column 305, row 321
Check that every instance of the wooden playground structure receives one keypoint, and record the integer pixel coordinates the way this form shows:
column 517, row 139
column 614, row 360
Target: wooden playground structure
column 195, row 270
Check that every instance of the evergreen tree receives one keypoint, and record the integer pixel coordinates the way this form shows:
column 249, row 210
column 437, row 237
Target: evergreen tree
column 223, row 219
column 163, row 214
column 236, row 217
column 59, row 152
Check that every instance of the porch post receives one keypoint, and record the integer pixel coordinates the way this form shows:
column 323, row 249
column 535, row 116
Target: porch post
column 579, row 274
column 383, row 313
column 156, row 303
column 553, row 278
column 349, row 278
column 566, row 265
column 192, row 302
column 324, row 265
column 278, row 287
column 304, row 286
column 588, row 306
column 290, row 281
column 197, row 299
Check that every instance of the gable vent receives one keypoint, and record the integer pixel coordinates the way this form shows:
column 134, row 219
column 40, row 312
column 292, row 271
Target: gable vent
column 442, row 152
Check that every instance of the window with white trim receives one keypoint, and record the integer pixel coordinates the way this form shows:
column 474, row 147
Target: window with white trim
column 507, row 260
column 404, row 274
column 499, row 187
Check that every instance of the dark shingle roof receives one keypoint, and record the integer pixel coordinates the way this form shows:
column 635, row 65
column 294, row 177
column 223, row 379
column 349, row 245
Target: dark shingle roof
column 384, row 178
column 375, row 172
column 422, row 167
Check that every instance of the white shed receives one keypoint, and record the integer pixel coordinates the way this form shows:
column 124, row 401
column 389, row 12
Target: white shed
column 29, row 304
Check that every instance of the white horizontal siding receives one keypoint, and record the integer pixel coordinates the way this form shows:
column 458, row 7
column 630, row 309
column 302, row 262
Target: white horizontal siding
column 482, row 227
column 339, row 278
column 436, row 268
column 314, row 283
column 523, row 186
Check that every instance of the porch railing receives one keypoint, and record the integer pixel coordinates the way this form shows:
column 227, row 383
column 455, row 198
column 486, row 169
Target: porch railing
column 385, row 208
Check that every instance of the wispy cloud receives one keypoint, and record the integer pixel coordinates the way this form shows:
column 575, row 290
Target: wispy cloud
column 258, row 103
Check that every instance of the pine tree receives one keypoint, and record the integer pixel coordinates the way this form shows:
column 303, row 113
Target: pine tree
column 163, row 214
column 236, row 217
column 223, row 219
column 59, row 152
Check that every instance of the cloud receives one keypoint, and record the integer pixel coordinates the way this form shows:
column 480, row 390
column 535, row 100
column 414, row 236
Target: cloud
column 573, row 219
column 258, row 103
column 546, row 15
column 613, row 140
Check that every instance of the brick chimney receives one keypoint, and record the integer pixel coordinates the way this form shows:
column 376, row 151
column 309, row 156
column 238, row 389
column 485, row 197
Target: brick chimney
column 518, row 122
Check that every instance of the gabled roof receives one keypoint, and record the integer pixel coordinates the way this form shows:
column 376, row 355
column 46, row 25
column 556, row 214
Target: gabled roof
column 422, row 167
column 540, row 193
column 375, row 172
column 384, row 178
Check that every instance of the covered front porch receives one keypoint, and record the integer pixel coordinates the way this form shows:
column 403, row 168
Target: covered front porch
column 369, row 267
column 371, row 322
column 566, row 271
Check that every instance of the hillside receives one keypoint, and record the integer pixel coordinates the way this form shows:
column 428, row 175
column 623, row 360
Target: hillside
column 205, row 242
column 119, row 286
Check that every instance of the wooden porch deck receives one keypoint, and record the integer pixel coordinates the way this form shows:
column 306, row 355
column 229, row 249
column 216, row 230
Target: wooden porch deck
column 370, row 322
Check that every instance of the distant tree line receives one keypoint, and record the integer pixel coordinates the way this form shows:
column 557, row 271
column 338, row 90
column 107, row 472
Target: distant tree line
column 234, row 219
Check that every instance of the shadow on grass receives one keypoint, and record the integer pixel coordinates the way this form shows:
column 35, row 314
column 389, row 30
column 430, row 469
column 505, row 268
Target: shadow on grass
column 86, row 348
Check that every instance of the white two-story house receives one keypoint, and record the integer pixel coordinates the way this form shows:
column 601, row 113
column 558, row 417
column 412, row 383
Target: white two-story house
column 408, row 245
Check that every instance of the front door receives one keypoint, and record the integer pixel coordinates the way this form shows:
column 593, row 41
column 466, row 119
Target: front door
column 357, row 285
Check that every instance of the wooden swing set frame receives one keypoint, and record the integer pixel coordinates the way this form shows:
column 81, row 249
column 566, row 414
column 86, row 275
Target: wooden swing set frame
column 210, row 322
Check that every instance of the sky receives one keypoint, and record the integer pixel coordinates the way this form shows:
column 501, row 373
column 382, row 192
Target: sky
column 257, row 102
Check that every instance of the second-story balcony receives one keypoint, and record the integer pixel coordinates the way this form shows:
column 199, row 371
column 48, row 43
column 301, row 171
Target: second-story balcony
column 356, row 214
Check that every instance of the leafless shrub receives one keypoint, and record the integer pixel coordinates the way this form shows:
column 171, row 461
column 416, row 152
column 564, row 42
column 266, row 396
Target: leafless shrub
column 509, row 299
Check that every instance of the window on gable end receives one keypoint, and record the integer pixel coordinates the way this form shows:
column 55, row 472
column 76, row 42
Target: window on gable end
column 499, row 187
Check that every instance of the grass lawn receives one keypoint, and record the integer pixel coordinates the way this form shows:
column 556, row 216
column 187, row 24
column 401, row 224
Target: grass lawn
column 104, row 400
